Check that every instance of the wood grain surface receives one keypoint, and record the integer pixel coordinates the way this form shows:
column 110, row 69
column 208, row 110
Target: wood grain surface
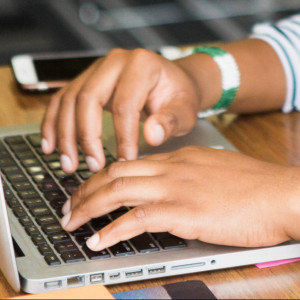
column 274, row 137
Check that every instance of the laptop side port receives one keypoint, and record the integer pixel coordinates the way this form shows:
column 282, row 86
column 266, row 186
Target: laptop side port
column 97, row 278
column 134, row 273
column 114, row 276
column 75, row 281
column 156, row 270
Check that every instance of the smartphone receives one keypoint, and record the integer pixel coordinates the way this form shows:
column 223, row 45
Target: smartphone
column 47, row 72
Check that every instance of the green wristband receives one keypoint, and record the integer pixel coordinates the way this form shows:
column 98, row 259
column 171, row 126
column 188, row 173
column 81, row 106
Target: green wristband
column 230, row 78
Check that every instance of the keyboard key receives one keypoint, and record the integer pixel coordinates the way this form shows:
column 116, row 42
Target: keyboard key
column 59, row 237
column 45, row 177
column 24, row 155
column 13, row 202
column 34, row 170
column 28, row 194
column 22, row 185
column 54, row 165
column 47, row 186
column 71, row 189
column 72, row 257
column 172, row 243
column 11, row 170
column 83, row 230
column 144, row 243
column 40, row 211
column 16, row 177
column 35, row 139
column 8, row 194
column 7, row 161
column 32, row 230
column 95, row 254
column 12, row 140
column 50, row 157
column 22, row 147
column 57, row 204
column 52, row 228
column 65, row 247
column 29, row 162
column 53, row 195
column 85, row 174
column 81, row 239
column 38, row 239
column 161, row 235
column 69, row 181
column 19, row 212
column 46, row 220
column 25, row 221
column 122, row 249
column 99, row 223
column 52, row 259
column 4, row 153
column 35, row 202
column 45, row 249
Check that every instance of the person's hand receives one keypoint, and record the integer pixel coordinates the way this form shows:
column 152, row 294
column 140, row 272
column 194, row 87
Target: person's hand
column 131, row 84
column 215, row 196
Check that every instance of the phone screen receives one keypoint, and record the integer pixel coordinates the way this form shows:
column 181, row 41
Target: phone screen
column 61, row 68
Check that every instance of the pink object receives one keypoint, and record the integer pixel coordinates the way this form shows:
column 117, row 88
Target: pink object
column 276, row 263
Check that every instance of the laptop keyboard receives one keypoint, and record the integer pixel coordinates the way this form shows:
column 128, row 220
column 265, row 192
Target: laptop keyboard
column 36, row 188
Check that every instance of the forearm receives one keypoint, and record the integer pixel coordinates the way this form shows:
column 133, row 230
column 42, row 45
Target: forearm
column 263, row 83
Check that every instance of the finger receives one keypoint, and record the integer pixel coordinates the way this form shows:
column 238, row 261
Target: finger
column 50, row 121
column 131, row 94
column 106, row 176
column 93, row 96
column 147, row 218
column 49, row 132
column 123, row 191
column 174, row 119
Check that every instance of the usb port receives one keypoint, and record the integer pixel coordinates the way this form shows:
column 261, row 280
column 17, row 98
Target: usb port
column 157, row 270
column 135, row 273
column 97, row 278
column 114, row 276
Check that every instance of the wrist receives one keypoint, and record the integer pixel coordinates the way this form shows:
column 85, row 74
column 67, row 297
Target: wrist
column 206, row 76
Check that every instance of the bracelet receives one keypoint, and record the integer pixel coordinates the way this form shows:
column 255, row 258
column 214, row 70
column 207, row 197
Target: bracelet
column 230, row 78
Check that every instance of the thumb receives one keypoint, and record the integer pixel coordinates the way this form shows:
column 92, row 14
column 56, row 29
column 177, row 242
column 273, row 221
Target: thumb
column 168, row 121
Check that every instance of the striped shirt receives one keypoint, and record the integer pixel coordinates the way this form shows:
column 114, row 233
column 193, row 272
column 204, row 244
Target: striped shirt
column 284, row 37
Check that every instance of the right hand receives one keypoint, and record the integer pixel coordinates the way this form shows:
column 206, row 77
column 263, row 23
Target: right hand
column 131, row 84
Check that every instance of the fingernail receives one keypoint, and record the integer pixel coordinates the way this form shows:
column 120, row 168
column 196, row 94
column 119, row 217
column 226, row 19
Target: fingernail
column 66, row 163
column 66, row 207
column 45, row 145
column 92, row 164
column 65, row 220
column 121, row 159
column 93, row 241
column 159, row 133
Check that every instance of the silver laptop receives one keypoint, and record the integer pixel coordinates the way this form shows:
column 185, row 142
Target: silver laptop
column 37, row 256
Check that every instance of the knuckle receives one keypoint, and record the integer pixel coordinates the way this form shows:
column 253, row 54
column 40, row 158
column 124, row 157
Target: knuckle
column 118, row 184
column 172, row 121
column 83, row 97
column 120, row 109
column 68, row 98
column 115, row 52
column 114, row 169
column 141, row 54
column 141, row 214
column 80, row 193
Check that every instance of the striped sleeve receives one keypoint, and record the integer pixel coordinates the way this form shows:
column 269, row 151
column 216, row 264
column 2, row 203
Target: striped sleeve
column 284, row 38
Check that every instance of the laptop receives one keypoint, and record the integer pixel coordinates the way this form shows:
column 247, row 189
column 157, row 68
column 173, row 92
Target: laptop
column 37, row 256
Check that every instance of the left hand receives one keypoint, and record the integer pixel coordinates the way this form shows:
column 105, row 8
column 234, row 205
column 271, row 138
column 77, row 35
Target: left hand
column 216, row 196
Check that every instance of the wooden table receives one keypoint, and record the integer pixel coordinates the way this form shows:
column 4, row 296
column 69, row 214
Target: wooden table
column 273, row 137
